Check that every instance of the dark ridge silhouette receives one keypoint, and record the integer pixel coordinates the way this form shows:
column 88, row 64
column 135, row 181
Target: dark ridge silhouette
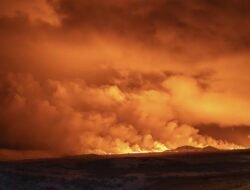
column 195, row 149
column 210, row 149
column 186, row 149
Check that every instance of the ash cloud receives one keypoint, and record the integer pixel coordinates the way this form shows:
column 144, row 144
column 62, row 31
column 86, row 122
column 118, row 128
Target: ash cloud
column 173, row 25
column 122, row 76
column 70, row 117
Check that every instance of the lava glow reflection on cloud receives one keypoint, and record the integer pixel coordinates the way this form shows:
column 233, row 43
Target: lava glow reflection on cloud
column 128, row 76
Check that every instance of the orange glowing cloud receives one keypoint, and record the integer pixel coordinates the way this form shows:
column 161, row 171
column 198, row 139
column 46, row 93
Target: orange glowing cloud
column 36, row 10
column 122, row 76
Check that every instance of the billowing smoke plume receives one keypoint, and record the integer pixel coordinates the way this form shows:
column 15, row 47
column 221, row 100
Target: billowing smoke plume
column 122, row 76
column 68, row 116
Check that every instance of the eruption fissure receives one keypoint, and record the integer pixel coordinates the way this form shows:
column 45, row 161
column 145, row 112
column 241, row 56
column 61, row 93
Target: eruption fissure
column 123, row 76
column 76, row 118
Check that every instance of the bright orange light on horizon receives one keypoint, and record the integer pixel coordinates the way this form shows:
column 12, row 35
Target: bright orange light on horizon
column 118, row 77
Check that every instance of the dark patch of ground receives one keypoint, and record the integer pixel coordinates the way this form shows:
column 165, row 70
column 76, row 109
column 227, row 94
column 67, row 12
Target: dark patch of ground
column 217, row 170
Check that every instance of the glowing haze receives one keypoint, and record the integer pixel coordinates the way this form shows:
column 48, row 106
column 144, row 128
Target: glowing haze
column 123, row 76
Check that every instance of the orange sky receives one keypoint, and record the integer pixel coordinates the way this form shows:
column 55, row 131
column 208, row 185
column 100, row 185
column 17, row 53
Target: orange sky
column 122, row 76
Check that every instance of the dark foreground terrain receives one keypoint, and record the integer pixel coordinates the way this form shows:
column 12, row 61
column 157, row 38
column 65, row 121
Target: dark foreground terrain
column 163, row 171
